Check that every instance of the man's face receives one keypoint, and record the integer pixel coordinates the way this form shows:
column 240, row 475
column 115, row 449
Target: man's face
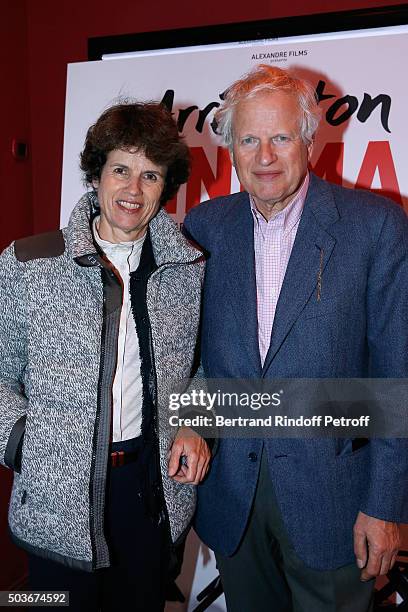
column 129, row 193
column 268, row 153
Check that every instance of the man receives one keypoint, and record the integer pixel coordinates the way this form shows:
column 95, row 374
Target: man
column 304, row 279
column 97, row 323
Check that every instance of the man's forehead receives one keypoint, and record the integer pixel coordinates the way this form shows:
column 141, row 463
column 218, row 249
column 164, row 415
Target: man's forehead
column 266, row 98
column 267, row 105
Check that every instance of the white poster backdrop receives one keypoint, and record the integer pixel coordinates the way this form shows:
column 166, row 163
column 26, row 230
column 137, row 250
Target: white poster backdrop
column 362, row 141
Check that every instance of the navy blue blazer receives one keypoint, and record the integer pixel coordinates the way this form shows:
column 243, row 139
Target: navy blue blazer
column 358, row 328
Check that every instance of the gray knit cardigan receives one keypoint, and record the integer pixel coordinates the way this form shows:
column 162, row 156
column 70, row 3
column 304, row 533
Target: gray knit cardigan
column 58, row 343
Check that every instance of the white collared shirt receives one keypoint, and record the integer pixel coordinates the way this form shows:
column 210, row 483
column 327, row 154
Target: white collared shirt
column 127, row 394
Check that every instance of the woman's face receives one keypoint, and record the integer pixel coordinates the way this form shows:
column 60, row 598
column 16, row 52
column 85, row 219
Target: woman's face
column 129, row 193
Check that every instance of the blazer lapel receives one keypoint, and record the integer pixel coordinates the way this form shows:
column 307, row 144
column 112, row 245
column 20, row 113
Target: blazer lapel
column 239, row 263
column 310, row 254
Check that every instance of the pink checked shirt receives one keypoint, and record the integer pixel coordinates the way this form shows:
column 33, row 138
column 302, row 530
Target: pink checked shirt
column 273, row 243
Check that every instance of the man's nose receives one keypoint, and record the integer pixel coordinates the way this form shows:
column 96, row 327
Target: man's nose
column 266, row 154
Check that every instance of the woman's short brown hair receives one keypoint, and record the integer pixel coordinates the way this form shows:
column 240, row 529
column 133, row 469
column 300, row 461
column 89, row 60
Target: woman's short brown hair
column 145, row 126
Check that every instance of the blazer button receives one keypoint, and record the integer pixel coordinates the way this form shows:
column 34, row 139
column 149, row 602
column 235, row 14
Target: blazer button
column 253, row 457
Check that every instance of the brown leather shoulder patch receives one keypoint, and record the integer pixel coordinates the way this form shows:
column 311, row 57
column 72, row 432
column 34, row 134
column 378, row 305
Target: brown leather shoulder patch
column 40, row 246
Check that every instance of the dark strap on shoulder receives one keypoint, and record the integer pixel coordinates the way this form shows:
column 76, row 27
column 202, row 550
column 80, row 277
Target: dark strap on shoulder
column 138, row 288
column 40, row 246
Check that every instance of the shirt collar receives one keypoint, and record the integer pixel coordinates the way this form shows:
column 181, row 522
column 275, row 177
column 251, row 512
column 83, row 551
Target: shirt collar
column 290, row 215
column 115, row 247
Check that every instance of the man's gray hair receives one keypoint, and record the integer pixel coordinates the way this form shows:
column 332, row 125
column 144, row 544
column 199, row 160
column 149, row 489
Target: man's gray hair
column 269, row 78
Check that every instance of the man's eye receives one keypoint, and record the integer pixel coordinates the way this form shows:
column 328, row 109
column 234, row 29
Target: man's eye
column 281, row 139
column 248, row 140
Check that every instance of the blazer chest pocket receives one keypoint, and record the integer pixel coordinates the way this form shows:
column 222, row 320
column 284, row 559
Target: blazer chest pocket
column 324, row 308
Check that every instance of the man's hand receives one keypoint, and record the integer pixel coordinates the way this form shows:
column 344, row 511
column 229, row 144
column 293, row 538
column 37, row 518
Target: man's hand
column 376, row 545
column 189, row 457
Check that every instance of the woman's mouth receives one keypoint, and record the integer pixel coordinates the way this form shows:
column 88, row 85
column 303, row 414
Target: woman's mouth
column 128, row 205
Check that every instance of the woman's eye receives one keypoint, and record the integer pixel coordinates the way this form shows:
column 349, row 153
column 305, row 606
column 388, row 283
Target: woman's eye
column 120, row 171
column 151, row 176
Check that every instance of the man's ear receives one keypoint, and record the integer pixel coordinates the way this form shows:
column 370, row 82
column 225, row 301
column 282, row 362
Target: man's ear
column 231, row 154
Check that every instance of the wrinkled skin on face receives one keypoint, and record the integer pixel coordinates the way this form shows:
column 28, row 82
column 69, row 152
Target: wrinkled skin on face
column 129, row 193
column 268, row 152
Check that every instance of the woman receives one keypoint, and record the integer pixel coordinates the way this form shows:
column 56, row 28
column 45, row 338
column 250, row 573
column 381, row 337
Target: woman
column 104, row 317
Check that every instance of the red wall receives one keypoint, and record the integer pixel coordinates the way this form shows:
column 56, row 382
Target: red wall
column 15, row 206
column 15, row 176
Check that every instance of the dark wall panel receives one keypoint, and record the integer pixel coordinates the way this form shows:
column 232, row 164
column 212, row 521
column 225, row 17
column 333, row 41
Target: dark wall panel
column 15, row 175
